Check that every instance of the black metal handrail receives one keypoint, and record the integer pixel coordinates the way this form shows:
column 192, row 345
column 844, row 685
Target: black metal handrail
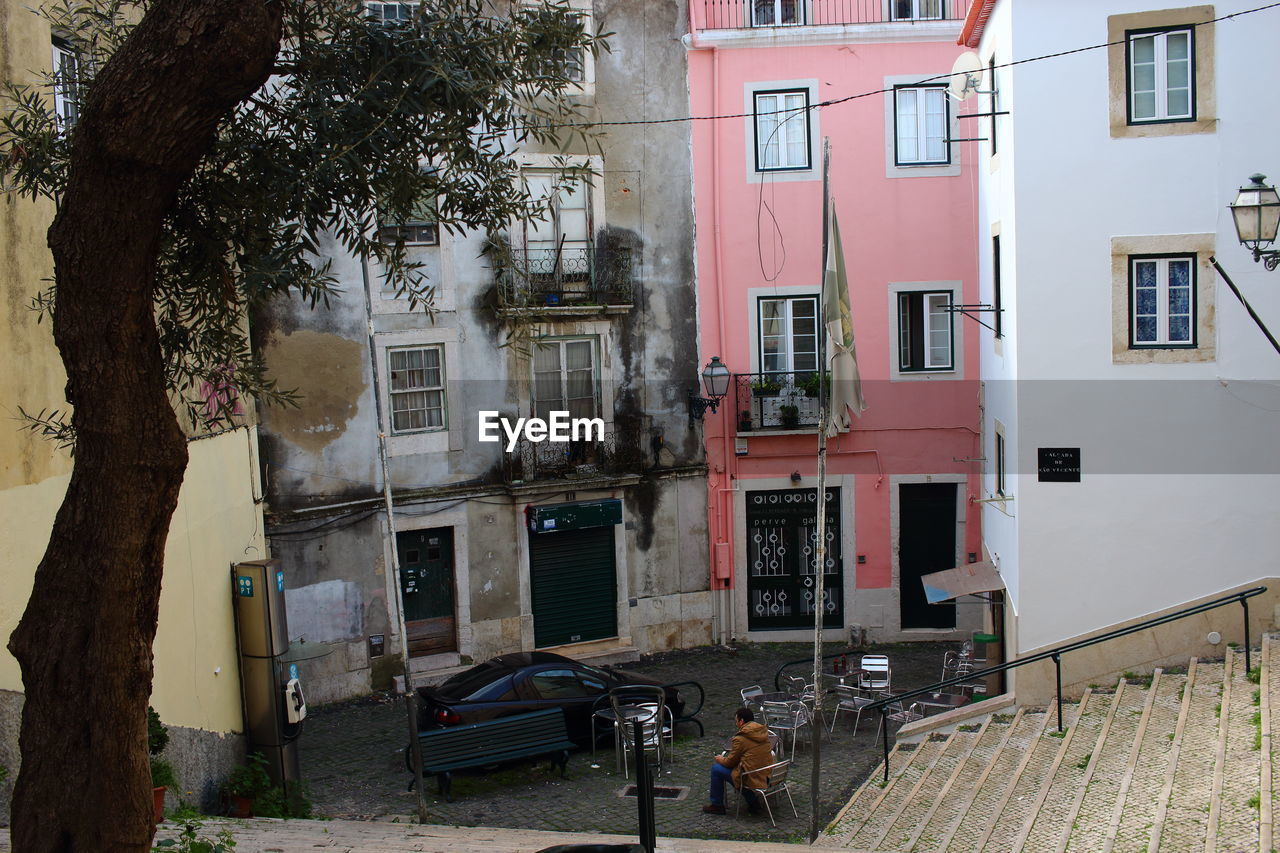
column 776, row 400
column 1055, row 654
column 574, row 275
column 735, row 14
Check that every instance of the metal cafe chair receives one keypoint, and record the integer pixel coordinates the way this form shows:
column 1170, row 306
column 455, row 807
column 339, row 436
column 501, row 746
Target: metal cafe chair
column 777, row 784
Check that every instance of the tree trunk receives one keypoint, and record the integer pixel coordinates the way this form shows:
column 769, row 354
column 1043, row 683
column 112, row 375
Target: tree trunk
column 84, row 642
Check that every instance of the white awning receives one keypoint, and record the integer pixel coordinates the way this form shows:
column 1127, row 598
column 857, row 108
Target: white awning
column 962, row 580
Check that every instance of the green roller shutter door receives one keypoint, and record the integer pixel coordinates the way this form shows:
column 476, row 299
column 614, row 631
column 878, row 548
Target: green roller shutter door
column 575, row 588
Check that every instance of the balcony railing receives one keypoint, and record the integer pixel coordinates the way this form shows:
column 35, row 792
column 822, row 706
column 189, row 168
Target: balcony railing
column 574, row 276
column 765, row 401
column 749, row 14
column 620, row 452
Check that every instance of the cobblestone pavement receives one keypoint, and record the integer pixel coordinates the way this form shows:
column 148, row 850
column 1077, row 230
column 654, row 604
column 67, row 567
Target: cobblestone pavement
column 353, row 759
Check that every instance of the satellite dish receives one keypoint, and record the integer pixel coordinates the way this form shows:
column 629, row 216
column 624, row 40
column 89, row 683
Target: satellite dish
column 966, row 76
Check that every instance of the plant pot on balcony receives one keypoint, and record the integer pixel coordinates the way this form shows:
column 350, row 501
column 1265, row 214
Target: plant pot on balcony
column 789, row 416
column 765, row 389
column 744, row 422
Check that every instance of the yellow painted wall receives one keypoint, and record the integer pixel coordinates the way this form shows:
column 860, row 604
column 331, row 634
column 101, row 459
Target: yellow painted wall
column 216, row 524
column 217, row 521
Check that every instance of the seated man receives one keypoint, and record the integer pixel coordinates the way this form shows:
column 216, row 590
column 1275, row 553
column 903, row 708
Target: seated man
column 750, row 751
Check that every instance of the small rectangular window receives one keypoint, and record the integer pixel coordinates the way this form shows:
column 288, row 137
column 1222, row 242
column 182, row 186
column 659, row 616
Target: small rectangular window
column 997, row 298
column 1162, row 301
column 789, row 335
column 66, row 95
column 564, row 378
column 391, row 11
column 1000, row 464
column 417, row 389
column 916, row 10
column 921, row 118
column 776, row 13
column 1161, row 72
column 924, row 331
column 420, row 228
column 782, row 130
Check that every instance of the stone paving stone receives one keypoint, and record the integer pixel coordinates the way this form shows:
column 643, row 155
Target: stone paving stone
column 1048, row 825
column 1016, row 811
column 1238, row 818
column 1133, row 835
column 1187, row 818
column 960, row 795
column 909, row 820
column 983, row 810
column 353, row 759
column 1094, row 816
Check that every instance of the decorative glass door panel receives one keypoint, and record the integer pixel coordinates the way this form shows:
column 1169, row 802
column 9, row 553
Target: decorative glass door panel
column 782, row 560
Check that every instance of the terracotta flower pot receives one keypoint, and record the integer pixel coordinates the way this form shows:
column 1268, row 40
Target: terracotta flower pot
column 239, row 806
column 157, row 795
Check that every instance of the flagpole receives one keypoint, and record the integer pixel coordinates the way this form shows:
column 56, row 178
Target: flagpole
column 820, row 522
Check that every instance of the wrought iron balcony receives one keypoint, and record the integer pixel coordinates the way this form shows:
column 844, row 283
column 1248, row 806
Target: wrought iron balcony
column 565, row 276
column 775, row 401
column 621, row 452
column 749, row 14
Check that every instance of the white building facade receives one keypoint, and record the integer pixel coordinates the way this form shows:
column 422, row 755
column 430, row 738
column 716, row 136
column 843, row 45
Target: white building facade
column 1131, row 405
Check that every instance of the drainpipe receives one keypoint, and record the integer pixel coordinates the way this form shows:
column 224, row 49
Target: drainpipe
column 411, row 695
column 718, row 508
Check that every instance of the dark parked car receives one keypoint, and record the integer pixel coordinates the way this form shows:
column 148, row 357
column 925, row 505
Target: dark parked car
column 528, row 681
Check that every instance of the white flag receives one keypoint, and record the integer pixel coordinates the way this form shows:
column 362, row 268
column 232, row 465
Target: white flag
column 842, row 360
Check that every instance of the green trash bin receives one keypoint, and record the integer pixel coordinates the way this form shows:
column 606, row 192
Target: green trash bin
column 988, row 651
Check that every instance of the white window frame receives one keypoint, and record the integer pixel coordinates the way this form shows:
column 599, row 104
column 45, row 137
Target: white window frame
column 917, row 10
column 66, row 100
column 934, row 305
column 918, row 121
column 431, row 390
column 1162, row 297
column 1161, row 62
column 782, row 119
column 403, row 11
column 421, row 229
column 777, row 8
column 561, row 401
column 788, row 318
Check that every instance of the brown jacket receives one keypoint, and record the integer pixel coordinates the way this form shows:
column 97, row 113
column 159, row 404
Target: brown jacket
column 749, row 753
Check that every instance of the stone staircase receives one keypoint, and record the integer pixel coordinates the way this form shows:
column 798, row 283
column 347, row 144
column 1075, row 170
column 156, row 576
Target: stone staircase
column 1173, row 762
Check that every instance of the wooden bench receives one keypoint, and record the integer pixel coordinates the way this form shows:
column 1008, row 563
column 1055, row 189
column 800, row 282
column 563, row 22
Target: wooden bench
column 527, row 735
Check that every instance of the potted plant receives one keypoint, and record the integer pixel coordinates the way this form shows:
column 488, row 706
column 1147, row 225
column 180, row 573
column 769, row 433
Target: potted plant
column 810, row 384
column 162, row 776
column 789, row 416
column 766, row 387
column 744, row 421
column 246, row 782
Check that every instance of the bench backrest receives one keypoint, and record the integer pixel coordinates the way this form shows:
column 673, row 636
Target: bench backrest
column 521, row 732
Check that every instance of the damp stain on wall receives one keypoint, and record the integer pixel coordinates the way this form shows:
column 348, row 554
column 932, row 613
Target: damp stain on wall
column 327, row 371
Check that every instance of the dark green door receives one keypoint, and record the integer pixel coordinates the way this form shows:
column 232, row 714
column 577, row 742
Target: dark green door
column 426, row 581
column 926, row 543
column 574, row 585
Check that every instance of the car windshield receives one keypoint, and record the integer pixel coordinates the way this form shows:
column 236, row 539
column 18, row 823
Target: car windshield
column 486, row 681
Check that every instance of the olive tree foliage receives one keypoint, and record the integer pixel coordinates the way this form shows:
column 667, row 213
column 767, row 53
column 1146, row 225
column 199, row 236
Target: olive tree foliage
column 362, row 120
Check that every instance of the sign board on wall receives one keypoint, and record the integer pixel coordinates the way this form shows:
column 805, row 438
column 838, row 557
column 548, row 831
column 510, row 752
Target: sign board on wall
column 1058, row 464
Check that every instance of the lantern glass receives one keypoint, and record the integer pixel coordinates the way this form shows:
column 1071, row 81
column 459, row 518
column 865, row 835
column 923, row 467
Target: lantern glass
column 715, row 378
column 1256, row 211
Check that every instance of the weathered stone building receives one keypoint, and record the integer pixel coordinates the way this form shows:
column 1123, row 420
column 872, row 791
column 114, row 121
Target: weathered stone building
column 590, row 547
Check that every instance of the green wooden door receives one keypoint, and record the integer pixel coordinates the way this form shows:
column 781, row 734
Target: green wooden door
column 575, row 586
column 426, row 582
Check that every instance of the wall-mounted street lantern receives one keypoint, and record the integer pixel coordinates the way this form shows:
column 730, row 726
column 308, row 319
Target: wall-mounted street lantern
column 1256, row 211
column 715, row 380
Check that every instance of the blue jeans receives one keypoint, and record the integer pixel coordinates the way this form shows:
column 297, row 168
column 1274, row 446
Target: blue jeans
column 721, row 774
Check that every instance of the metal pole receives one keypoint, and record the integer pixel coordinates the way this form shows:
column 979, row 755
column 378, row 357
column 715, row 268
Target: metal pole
column 1244, row 602
column 820, row 525
column 884, row 724
column 1057, row 665
column 644, row 786
column 1247, row 307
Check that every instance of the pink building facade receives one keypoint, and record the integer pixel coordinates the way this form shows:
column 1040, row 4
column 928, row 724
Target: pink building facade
column 900, row 482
